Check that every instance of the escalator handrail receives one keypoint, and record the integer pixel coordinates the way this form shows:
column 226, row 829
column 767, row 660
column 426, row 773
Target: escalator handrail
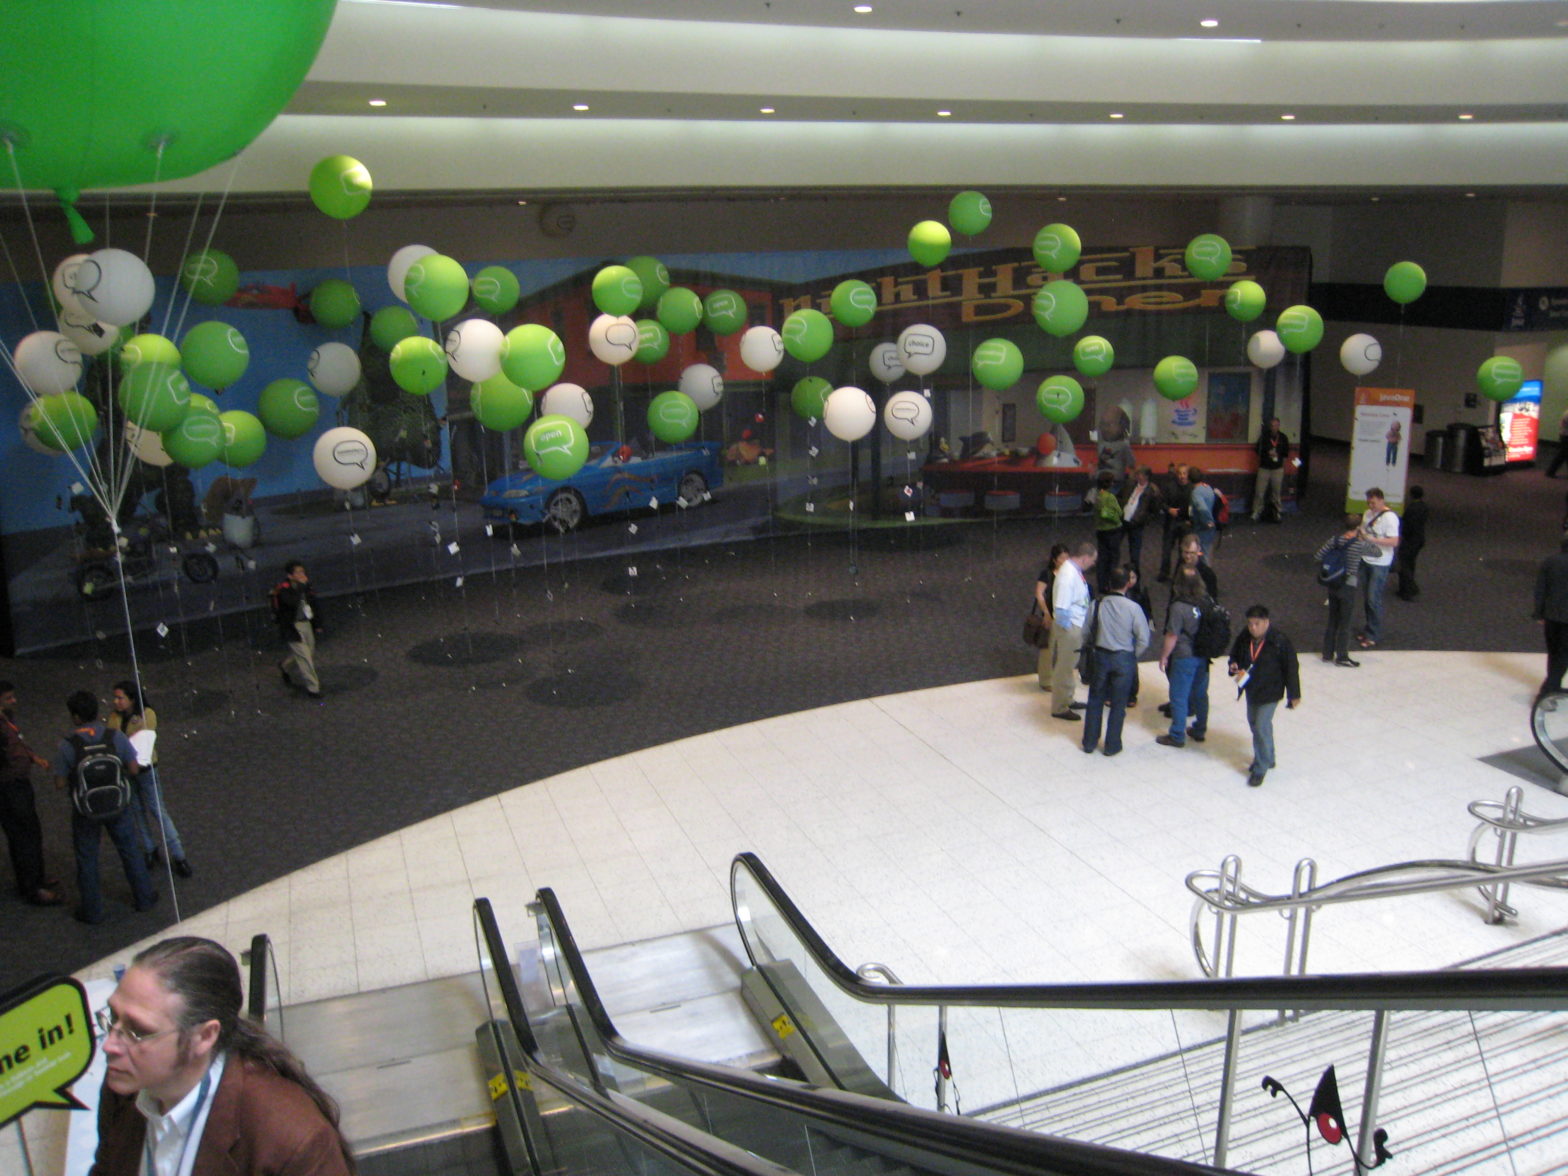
column 1000, row 1148
column 1499, row 989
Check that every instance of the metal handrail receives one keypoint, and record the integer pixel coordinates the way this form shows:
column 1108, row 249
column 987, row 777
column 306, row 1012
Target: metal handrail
column 875, row 971
column 1509, row 821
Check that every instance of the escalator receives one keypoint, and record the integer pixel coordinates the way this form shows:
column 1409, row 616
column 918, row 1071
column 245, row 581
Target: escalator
column 1549, row 725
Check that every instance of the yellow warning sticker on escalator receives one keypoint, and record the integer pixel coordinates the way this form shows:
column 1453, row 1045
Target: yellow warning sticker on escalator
column 521, row 1080
column 783, row 1026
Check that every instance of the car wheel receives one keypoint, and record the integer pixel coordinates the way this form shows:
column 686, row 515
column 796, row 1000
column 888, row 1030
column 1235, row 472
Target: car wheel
column 693, row 487
column 95, row 581
column 380, row 484
column 565, row 511
column 200, row 568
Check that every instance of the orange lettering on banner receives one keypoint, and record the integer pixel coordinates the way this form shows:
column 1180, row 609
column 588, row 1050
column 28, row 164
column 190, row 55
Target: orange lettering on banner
column 989, row 310
column 891, row 290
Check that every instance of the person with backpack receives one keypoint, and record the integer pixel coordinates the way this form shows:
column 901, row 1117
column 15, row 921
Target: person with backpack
column 294, row 608
column 96, row 765
column 1204, row 509
column 1339, row 572
column 1197, row 629
column 1107, row 529
column 1263, row 664
column 131, row 714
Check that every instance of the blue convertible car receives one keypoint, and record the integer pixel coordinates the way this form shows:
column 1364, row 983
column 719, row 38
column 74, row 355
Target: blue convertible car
column 614, row 478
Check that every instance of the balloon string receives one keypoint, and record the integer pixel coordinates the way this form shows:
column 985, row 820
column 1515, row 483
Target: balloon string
column 185, row 252
column 212, row 231
column 32, row 229
column 152, row 205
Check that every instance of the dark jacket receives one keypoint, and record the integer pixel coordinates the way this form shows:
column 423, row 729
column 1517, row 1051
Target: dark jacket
column 1151, row 505
column 1551, row 588
column 1273, row 455
column 290, row 601
column 1275, row 674
column 1412, row 525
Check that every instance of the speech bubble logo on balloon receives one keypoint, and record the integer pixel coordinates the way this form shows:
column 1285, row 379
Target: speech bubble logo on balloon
column 919, row 344
column 47, row 1041
column 201, row 268
column 621, row 335
column 723, row 305
column 351, row 453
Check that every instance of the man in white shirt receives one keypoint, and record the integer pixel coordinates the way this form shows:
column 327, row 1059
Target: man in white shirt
column 1379, row 526
column 1069, row 607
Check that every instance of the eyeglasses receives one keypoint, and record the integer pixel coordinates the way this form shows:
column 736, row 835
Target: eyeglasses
column 109, row 1025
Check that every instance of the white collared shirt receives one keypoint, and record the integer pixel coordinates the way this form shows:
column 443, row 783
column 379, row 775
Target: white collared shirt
column 173, row 1140
column 1069, row 597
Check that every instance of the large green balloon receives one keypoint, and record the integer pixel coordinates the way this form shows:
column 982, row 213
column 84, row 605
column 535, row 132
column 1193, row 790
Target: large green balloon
column 418, row 365
column 148, row 348
column 1176, row 377
column 672, row 416
column 214, row 354
column 1500, row 377
column 617, row 290
column 1059, row 399
column 210, row 277
column 1060, row 307
column 969, row 213
column 101, row 93
column 723, row 312
column 809, row 397
column 436, row 286
column 653, row 341
column 555, row 447
column 807, row 334
column 155, row 396
column 997, row 363
column 65, row 421
column 654, row 277
column 198, row 439
column 1093, row 356
column 244, row 440
column 334, row 303
column 496, row 289
column 853, row 303
column 1404, row 282
column 500, row 404
column 930, row 243
column 1245, row 300
column 679, row 310
column 340, row 186
column 390, row 325
column 1057, row 248
column 1207, row 257
column 532, row 356
column 1300, row 329
column 289, row 408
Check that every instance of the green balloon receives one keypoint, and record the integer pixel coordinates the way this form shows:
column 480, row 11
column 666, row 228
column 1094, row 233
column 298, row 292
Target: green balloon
column 723, row 312
column 1499, row 378
column 244, row 440
column 1059, row 399
column 207, row 402
column 390, row 325
column 997, row 363
column 1093, row 355
column 210, row 277
column 214, row 354
column 436, row 286
column 555, row 447
column 807, row 334
column 672, row 416
column 653, row 341
column 496, row 289
column 930, row 243
column 340, row 186
column 617, row 290
column 155, row 396
column 140, row 349
column 198, row 439
column 1300, row 329
column 289, row 408
column 65, row 421
column 1244, row 301
column 532, row 356
column 969, row 213
column 654, row 277
column 1060, row 308
column 1207, row 256
column 1404, row 282
column 1057, row 248
column 334, row 303
column 854, row 303
column 679, row 310
column 1176, row 377
column 418, row 365
column 809, row 397
column 500, row 404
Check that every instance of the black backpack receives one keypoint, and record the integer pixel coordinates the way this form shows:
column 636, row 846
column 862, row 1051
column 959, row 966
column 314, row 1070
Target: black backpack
column 1213, row 636
column 1332, row 568
column 100, row 789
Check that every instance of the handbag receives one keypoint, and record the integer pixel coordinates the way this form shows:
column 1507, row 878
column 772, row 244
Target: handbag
column 1037, row 629
column 1089, row 652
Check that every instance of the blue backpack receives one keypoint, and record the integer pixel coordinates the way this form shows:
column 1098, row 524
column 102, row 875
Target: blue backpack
column 1332, row 568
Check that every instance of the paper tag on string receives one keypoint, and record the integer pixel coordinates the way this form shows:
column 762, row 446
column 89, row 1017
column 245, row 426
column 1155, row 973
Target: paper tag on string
column 162, row 630
column 909, row 516
column 813, row 451
column 489, row 530
column 452, row 548
column 653, row 503
column 78, row 488
column 631, row 528
column 458, row 583
column 811, row 508
column 250, row 565
column 812, row 421
column 632, row 572
column 910, row 455
column 516, row 550
column 681, row 502
column 355, row 540
column 212, row 548
column 812, row 480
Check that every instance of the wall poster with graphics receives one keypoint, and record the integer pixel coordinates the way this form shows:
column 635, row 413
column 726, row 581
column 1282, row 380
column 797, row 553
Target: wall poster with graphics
column 1519, row 422
column 1380, row 445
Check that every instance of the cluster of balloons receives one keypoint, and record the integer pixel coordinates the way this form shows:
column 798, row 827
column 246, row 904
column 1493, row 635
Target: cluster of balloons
column 930, row 241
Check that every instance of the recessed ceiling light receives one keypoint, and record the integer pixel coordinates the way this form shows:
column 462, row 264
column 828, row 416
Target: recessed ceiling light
column 944, row 114
column 1061, row 200
column 1117, row 114
column 862, row 9
column 1469, row 195
column 765, row 110
column 378, row 102
column 1288, row 118
column 1466, row 117
column 522, row 202
column 1210, row 23
column 1375, row 199
column 579, row 106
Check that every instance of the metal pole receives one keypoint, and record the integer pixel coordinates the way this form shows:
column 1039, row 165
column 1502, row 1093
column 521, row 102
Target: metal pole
column 1227, row 1087
column 1230, row 882
column 941, row 1037
column 1374, row 1087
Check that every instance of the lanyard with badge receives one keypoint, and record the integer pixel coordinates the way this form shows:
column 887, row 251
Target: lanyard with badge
column 202, row 1092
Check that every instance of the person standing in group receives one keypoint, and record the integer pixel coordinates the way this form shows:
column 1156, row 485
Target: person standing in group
column 1268, row 491
column 294, row 606
column 1069, row 607
column 1121, row 633
column 92, row 738
column 1379, row 526
column 1140, row 503
column 1412, row 538
column 1177, row 498
column 1561, row 456
column 1339, row 572
column 1551, row 611
column 1189, row 673
column 1202, row 509
column 1042, row 602
column 24, row 835
column 1191, row 560
column 1107, row 529
column 1263, row 663
column 1114, row 453
column 132, row 714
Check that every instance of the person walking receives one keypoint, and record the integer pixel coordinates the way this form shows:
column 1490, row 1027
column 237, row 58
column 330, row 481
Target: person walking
column 132, row 714
column 1263, row 664
column 1069, row 607
column 1203, row 509
column 1140, row 504
column 1379, row 526
column 1042, row 603
column 1561, row 456
column 1339, row 572
column 1268, row 491
column 1107, row 529
column 24, row 835
column 1412, row 538
column 1120, row 633
column 1551, row 612
column 294, row 605
column 1189, row 673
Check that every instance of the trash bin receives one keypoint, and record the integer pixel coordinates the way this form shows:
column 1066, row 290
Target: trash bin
column 1464, row 448
column 1436, row 448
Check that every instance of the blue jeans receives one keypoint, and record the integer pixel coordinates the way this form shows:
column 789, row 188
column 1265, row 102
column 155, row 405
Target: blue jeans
column 1206, row 539
column 1374, row 579
column 1260, row 717
column 1115, row 672
column 151, row 815
column 85, row 841
column 1189, row 695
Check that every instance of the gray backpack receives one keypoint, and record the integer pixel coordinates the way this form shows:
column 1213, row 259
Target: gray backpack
column 100, row 787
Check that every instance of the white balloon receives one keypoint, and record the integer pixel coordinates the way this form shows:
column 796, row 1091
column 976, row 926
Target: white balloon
column 146, row 445
column 849, row 413
column 60, row 281
column 344, row 458
column 47, row 363
column 30, row 434
column 703, row 384
column 1265, row 350
column 922, row 349
column 1360, row 354
column 907, row 415
column 613, row 338
column 397, row 268
column 113, row 286
column 334, row 369
column 569, row 400
column 90, row 336
column 473, row 347
column 761, row 349
column 885, row 362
